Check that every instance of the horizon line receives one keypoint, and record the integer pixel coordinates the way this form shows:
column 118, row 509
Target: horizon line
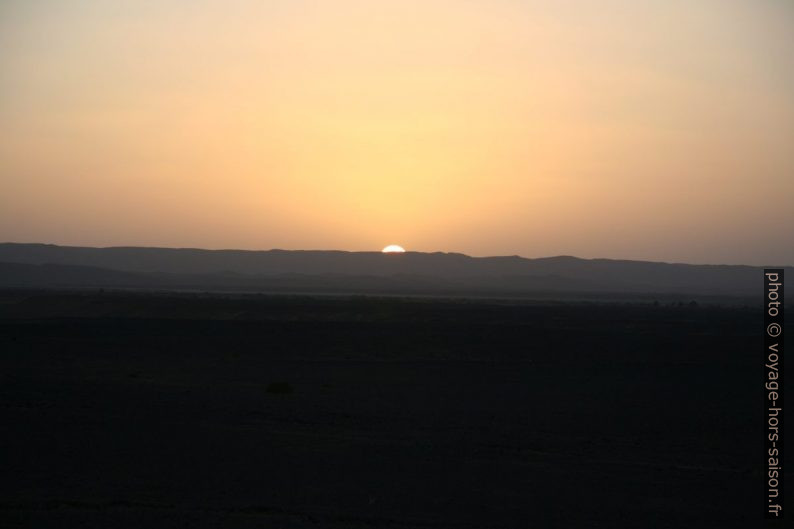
column 560, row 256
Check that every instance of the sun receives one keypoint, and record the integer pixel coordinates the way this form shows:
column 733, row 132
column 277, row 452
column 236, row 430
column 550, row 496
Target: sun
column 393, row 248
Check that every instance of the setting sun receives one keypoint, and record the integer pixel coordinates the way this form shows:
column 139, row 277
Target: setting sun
column 393, row 248
column 490, row 127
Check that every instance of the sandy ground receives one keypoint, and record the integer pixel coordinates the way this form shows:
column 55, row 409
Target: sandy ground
column 125, row 411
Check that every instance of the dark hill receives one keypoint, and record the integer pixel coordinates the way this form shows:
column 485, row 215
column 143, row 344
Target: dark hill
column 412, row 272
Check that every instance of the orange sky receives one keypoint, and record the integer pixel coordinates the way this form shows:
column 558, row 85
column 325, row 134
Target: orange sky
column 650, row 130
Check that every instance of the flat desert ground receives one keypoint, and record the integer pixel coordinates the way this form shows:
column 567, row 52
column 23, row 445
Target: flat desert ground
column 136, row 410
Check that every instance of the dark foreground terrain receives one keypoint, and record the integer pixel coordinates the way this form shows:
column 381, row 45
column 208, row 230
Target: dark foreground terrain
column 155, row 410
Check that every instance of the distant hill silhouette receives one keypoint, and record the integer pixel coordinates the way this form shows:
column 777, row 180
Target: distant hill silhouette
column 412, row 272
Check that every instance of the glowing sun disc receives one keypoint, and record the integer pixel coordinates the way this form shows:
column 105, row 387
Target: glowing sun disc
column 393, row 248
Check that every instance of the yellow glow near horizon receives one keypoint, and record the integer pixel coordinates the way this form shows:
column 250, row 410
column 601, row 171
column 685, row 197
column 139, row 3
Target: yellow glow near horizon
column 650, row 130
column 393, row 248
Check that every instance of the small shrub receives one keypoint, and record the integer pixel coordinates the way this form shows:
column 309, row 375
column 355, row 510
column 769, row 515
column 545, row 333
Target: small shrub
column 279, row 387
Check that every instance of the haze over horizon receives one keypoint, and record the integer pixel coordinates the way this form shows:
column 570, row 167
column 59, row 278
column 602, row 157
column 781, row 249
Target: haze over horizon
column 655, row 130
column 408, row 251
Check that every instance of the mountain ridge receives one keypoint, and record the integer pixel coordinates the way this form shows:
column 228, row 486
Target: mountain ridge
column 361, row 271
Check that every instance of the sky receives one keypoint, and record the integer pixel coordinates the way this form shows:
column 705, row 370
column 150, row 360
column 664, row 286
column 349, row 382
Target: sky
column 655, row 130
